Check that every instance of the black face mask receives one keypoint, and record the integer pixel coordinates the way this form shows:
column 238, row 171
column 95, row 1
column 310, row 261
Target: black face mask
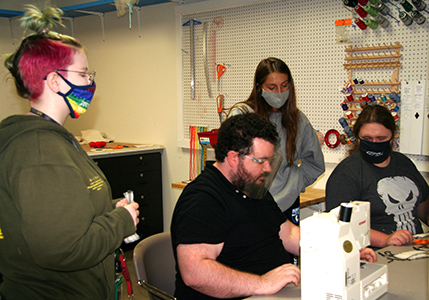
column 375, row 153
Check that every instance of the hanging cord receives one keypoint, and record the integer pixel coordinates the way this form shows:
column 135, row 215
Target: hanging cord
column 121, row 266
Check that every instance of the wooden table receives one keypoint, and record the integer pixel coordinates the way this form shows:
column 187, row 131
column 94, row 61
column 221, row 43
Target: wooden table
column 309, row 197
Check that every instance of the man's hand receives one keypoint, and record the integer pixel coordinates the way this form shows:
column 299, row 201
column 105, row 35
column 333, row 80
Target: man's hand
column 368, row 254
column 276, row 279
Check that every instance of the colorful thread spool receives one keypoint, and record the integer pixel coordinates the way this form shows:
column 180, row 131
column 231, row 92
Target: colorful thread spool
column 395, row 97
column 349, row 87
column 360, row 11
column 343, row 122
column 349, row 114
column 365, row 97
column 362, row 2
column 383, row 98
column 348, row 141
column 353, row 139
column 355, row 80
column 394, row 107
column 349, row 97
column 348, row 131
column 357, row 113
column 371, row 23
column 371, row 10
column 405, row 18
column 384, row 23
column 363, row 104
column 361, row 24
column 343, row 89
column 419, row 4
column 382, row 8
column 418, row 17
column 350, row 3
column 344, row 106
column 406, row 5
column 371, row 98
column 361, row 81
column 395, row 116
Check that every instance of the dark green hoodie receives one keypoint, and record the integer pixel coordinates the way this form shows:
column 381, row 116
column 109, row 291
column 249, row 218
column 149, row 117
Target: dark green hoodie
column 58, row 228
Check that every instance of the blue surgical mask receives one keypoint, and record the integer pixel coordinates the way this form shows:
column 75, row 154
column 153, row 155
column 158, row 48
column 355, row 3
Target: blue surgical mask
column 375, row 153
column 276, row 100
column 78, row 97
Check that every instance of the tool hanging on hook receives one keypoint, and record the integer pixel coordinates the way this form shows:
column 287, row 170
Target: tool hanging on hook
column 220, row 107
column 220, row 69
column 191, row 24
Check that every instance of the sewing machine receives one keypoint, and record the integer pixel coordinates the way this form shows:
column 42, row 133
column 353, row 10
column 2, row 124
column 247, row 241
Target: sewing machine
column 330, row 258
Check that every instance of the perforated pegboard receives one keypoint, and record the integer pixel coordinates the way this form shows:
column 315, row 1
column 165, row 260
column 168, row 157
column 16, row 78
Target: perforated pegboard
column 302, row 33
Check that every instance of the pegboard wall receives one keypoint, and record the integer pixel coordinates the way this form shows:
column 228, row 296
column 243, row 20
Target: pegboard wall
column 303, row 34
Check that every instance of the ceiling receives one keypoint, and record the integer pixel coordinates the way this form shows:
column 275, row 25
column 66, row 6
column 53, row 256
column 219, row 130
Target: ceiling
column 10, row 9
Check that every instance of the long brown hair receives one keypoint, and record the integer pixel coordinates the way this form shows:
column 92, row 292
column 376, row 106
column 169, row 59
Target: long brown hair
column 290, row 112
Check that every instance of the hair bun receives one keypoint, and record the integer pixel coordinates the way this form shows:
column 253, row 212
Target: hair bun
column 41, row 21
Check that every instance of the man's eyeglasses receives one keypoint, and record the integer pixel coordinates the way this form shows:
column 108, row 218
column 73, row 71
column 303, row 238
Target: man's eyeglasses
column 261, row 161
column 90, row 76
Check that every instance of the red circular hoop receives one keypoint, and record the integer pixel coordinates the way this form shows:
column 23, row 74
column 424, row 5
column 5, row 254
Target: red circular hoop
column 337, row 134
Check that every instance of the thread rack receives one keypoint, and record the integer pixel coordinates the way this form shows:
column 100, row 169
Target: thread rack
column 373, row 57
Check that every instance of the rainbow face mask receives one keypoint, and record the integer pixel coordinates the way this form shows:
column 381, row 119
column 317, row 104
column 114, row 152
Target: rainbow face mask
column 78, row 97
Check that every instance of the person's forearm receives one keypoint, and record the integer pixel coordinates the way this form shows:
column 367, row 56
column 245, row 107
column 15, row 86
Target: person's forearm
column 217, row 280
column 378, row 239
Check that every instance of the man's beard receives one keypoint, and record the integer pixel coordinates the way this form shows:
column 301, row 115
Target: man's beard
column 247, row 183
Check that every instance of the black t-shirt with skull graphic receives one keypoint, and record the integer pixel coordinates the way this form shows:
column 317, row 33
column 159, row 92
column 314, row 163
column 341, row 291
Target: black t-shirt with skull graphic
column 394, row 191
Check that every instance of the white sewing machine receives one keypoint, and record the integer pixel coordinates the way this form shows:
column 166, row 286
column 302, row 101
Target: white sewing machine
column 330, row 259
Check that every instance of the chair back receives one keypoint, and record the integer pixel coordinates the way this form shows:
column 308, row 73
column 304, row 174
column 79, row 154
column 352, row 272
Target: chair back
column 154, row 265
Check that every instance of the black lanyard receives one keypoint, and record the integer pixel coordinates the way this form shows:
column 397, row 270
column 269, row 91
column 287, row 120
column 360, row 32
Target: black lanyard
column 43, row 115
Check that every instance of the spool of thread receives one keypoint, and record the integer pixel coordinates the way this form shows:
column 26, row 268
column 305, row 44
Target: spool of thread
column 350, row 3
column 382, row 8
column 365, row 97
column 363, row 104
column 405, row 18
column 418, row 17
column 343, row 122
column 343, row 90
column 371, row 23
column 361, row 24
column 348, row 140
column 371, row 10
column 349, row 97
column 361, row 81
column 362, row 2
column 349, row 87
column 394, row 107
column 384, row 23
column 388, row 106
column 348, row 131
column 383, row 98
column 371, row 98
column 344, row 106
column 353, row 139
column 355, row 80
column 349, row 114
column 419, row 4
column 406, row 5
column 395, row 116
column 357, row 113
column 395, row 97
column 345, row 214
column 360, row 11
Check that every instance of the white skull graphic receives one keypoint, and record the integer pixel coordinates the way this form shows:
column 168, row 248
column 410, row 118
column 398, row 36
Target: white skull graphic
column 400, row 195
